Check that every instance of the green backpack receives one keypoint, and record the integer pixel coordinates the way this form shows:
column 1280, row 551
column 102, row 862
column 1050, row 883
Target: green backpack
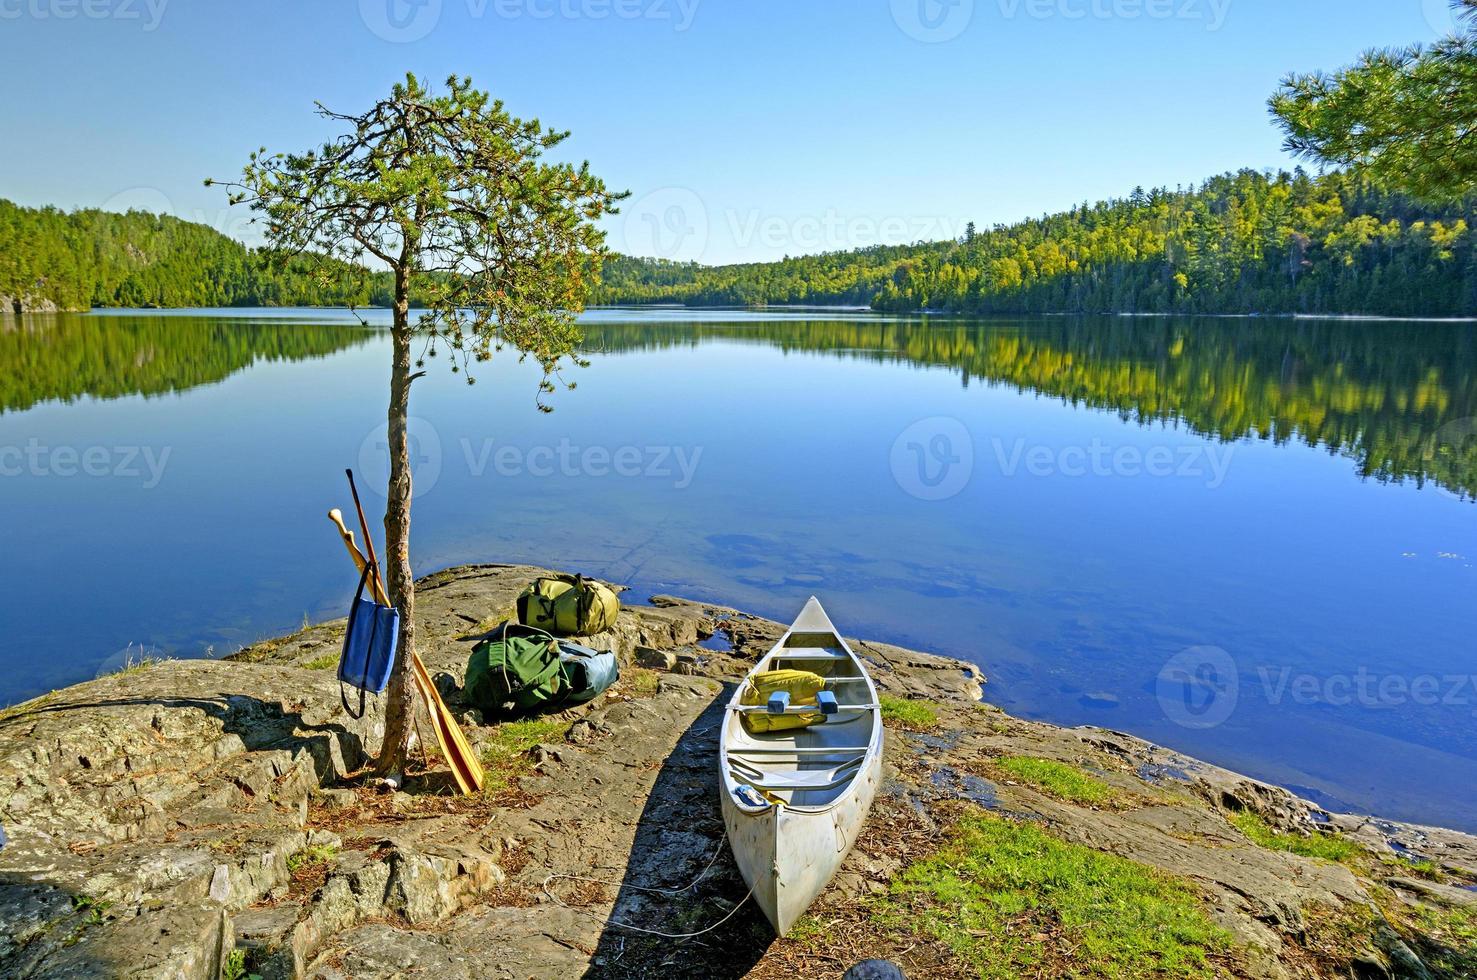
column 569, row 605
column 517, row 670
column 524, row 670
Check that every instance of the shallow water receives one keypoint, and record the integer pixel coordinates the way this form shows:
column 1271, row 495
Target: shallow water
column 1250, row 540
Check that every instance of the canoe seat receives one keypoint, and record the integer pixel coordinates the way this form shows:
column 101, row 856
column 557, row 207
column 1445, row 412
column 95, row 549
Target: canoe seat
column 807, row 779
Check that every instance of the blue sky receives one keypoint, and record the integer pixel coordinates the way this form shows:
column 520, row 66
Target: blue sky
column 745, row 130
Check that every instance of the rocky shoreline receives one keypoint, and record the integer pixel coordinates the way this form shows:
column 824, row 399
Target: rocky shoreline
column 22, row 305
column 211, row 818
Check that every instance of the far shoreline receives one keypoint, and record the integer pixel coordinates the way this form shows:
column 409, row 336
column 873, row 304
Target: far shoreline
column 850, row 310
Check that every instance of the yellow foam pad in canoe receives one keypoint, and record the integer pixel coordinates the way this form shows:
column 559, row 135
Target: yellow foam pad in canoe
column 802, row 685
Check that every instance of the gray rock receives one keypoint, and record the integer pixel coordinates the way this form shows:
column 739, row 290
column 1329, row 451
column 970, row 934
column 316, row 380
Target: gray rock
column 1448, row 895
column 336, row 799
column 10, row 305
column 655, row 659
column 584, row 732
column 690, row 665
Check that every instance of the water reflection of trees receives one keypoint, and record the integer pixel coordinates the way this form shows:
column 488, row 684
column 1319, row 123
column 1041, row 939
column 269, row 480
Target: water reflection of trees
column 66, row 357
column 1400, row 399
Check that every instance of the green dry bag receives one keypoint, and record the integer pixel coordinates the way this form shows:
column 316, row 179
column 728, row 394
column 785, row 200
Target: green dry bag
column 516, row 671
column 568, row 605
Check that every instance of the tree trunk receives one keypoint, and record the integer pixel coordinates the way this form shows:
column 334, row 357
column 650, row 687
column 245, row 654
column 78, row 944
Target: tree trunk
column 400, row 583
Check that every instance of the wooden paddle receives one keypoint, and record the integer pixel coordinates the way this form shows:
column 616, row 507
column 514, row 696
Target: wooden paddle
column 452, row 741
column 337, row 516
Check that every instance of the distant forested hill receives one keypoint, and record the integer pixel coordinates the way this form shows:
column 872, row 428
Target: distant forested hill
column 1247, row 242
column 82, row 259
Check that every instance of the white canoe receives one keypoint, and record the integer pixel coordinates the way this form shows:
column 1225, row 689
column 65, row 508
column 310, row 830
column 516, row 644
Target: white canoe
column 817, row 783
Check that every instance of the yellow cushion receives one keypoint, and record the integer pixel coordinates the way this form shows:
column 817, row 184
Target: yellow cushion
column 803, row 687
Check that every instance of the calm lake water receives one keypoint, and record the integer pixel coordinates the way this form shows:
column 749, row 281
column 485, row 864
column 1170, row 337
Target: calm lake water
column 1250, row 540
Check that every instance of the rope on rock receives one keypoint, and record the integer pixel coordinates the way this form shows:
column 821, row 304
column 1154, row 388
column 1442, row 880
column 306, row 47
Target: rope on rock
column 656, row 891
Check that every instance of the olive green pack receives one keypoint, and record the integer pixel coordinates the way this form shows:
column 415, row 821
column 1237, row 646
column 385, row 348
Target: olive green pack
column 568, row 605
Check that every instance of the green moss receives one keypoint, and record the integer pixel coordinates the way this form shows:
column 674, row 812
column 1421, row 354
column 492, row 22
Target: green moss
column 1011, row 900
column 263, row 649
column 317, row 854
column 1328, row 847
column 807, row 929
column 908, row 713
column 505, row 755
column 487, row 624
column 328, row 661
column 1058, row 779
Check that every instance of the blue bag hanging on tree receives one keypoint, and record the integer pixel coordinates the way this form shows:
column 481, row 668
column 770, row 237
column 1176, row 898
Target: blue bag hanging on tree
column 369, row 646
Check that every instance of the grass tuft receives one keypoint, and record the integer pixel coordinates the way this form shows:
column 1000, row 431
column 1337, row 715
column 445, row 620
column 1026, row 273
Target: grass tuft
column 328, row 661
column 908, row 713
column 91, row 909
column 639, row 682
column 26, row 707
column 1328, row 847
column 1011, row 900
column 505, row 754
column 1058, row 779
column 134, row 663
column 1448, row 940
column 236, row 967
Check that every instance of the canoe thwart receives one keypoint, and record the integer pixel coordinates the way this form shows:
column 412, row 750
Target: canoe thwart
column 795, row 709
column 827, row 702
column 795, row 750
